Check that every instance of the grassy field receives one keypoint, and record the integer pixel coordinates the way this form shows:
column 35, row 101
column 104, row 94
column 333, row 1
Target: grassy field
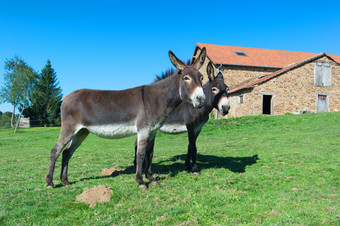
column 254, row 170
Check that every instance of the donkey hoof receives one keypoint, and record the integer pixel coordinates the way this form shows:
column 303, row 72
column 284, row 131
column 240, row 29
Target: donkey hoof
column 154, row 183
column 65, row 182
column 143, row 187
column 196, row 173
column 49, row 186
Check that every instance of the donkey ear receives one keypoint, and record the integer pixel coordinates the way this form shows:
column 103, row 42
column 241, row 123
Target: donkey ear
column 219, row 75
column 176, row 62
column 210, row 71
column 200, row 59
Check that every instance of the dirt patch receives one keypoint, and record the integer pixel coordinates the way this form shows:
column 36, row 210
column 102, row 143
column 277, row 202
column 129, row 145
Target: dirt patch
column 108, row 171
column 95, row 194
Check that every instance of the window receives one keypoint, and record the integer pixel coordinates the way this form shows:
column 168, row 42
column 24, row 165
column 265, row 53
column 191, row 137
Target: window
column 241, row 54
column 241, row 99
column 322, row 74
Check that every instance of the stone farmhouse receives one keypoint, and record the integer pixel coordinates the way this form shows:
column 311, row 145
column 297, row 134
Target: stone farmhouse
column 274, row 82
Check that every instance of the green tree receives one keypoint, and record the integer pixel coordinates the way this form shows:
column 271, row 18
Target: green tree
column 19, row 79
column 46, row 96
column 5, row 120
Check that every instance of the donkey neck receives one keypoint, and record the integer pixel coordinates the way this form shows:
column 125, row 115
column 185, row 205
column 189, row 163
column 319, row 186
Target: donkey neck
column 209, row 104
column 167, row 91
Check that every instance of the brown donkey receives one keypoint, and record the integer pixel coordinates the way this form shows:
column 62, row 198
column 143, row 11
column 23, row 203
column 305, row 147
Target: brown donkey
column 118, row 114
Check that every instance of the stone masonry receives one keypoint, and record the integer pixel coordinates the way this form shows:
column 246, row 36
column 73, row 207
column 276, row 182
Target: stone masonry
column 291, row 92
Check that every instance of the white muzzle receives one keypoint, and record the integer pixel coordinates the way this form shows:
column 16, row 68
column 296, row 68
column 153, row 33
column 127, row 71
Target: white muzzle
column 198, row 97
column 223, row 105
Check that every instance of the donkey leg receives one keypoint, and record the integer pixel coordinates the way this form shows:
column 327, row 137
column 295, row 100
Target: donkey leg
column 188, row 158
column 191, row 134
column 55, row 152
column 68, row 152
column 194, row 154
column 142, row 140
column 148, row 161
column 135, row 160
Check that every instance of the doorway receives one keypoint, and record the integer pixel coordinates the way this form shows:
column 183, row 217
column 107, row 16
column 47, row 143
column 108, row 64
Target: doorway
column 267, row 104
column 322, row 103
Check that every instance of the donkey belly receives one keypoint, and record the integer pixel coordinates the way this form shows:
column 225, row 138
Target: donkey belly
column 180, row 128
column 113, row 131
column 173, row 128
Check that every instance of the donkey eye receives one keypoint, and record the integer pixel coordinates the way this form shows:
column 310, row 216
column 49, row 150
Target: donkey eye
column 201, row 78
column 186, row 78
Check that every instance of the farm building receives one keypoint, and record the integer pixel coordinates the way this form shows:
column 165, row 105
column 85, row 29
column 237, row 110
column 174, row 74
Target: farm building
column 25, row 122
column 275, row 82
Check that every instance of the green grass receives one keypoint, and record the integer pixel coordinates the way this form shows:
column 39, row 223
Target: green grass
column 254, row 170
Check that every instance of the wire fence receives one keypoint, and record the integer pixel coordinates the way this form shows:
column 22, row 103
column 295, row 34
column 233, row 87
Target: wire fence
column 31, row 123
column 40, row 123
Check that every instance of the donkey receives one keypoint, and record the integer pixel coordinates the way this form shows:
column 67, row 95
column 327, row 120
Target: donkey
column 186, row 118
column 116, row 114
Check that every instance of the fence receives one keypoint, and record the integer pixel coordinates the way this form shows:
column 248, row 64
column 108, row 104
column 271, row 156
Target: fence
column 38, row 123
column 26, row 123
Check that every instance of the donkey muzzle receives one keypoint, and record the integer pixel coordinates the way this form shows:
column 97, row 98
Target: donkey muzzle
column 198, row 98
column 223, row 106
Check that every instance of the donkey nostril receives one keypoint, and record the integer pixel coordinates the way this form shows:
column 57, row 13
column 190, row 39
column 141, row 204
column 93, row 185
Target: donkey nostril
column 200, row 98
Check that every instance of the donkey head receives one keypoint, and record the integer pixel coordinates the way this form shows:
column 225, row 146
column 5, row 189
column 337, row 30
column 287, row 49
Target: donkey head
column 190, row 82
column 219, row 90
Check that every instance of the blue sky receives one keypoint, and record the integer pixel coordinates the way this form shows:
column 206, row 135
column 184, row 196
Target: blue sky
column 122, row 44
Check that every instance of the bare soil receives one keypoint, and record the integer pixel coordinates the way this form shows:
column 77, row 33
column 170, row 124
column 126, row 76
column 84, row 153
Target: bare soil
column 108, row 171
column 95, row 194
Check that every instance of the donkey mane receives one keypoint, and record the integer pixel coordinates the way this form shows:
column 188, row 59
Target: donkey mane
column 169, row 72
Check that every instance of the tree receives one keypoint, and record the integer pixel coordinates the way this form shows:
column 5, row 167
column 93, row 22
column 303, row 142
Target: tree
column 18, row 81
column 5, row 120
column 46, row 96
column 8, row 93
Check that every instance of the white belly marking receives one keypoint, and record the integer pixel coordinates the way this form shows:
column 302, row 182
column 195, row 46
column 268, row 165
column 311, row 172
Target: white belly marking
column 173, row 128
column 113, row 131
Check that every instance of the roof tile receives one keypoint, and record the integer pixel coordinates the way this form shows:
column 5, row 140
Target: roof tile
column 255, row 56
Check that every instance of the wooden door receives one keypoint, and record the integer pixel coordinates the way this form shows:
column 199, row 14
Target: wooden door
column 322, row 105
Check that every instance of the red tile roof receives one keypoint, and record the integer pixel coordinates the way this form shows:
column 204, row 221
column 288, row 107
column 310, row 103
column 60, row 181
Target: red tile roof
column 279, row 72
column 255, row 56
column 336, row 58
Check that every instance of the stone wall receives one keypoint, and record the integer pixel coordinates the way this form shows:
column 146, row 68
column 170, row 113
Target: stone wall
column 235, row 76
column 292, row 92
